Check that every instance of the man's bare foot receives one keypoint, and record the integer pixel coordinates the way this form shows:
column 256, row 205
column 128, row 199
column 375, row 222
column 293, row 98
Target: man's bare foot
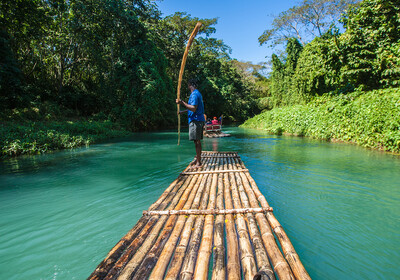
column 195, row 167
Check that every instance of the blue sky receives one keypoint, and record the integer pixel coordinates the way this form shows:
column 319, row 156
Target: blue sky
column 240, row 22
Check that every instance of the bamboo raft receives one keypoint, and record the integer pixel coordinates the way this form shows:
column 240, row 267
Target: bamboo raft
column 211, row 223
column 215, row 134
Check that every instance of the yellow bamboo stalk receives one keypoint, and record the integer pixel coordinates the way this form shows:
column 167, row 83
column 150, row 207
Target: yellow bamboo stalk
column 203, row 258
column 213, row 172
column 247, row 258
column 191, row 256
column 219, row 266
column 233, row 263
column 207, row 211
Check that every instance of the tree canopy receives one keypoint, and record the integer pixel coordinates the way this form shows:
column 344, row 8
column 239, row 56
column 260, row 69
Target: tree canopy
column 114, row 59
column 309, row 19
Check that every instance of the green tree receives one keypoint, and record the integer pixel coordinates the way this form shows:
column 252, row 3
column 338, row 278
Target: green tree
column 311, row 18
column 370, row 44
column 318, row 69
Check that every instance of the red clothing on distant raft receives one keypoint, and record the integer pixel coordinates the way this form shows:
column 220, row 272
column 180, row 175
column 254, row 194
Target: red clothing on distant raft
column 214, row 122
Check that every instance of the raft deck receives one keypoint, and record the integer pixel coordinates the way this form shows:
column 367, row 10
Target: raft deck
column 211, row 223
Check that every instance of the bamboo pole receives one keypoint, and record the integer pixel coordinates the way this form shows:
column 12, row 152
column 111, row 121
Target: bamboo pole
column 219, row 265
column 203, row 258
column 290, row 253
column 104, row 267
column 263, row 265
column 180, row 252
column 279, row 263
column 212, row 172
column 233, row 263
column 208, row 211
column 185, row 54
column 247, row 258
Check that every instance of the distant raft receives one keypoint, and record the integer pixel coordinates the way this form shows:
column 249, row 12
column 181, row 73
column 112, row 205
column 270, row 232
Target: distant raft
column 214, row 131
column 216, row 212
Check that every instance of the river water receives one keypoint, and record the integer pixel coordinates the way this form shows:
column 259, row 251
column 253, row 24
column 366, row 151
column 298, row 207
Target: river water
column 61, row 213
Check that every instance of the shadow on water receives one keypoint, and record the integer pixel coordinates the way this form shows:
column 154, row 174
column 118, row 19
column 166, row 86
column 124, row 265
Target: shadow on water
column 60, row 213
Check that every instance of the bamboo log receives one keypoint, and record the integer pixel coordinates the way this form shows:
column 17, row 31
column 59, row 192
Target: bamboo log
column 247, row 258
column 263, row 265
column 221, row 156
column 218, row 152
column 233, row 264
column 191, row 256
column 279, row 263
column 290, row 253
column 212, row 172
column 208, row 211
column 185, row 54
column 219, row 266
column 203, row 258
column 177, row 261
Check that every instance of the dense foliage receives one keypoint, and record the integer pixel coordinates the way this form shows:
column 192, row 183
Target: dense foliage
column 370, row 119
column 341, row 86
column 116, row 58
column 115, row 63
column 112, row 60
column 365, row 56
column 40, row 137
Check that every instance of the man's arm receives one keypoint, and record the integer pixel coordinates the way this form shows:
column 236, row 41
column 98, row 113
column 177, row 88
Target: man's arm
column 192, row 108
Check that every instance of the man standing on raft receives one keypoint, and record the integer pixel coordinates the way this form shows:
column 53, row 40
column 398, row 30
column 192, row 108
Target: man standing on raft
column 195, row 109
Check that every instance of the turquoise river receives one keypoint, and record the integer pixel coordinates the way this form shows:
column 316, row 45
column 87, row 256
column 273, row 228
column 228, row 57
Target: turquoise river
column 61, row 213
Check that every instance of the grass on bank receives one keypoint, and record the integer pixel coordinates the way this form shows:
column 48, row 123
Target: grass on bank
column 370, row 119
column 36, row 137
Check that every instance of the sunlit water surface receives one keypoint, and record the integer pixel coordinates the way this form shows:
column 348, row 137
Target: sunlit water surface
column 61, row 213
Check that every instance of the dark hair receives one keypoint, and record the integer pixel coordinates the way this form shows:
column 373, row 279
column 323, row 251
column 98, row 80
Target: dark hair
column 192, row 82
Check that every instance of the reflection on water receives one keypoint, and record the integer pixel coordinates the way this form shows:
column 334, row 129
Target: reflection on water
column 61, row 213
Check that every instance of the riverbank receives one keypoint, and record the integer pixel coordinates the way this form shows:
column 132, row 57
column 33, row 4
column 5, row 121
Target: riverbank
column 370, row 119
column 36, row 137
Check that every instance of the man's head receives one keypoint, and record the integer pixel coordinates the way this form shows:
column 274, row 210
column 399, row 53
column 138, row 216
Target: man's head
column 192, row 83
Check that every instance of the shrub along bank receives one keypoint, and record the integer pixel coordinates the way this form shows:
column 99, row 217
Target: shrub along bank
column 31, row 137
column 370, row 119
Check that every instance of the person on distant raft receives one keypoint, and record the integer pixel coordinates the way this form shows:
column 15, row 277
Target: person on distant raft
column 195, row 109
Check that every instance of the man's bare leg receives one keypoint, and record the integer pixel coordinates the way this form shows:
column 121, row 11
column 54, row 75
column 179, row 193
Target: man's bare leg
column 197, row 144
